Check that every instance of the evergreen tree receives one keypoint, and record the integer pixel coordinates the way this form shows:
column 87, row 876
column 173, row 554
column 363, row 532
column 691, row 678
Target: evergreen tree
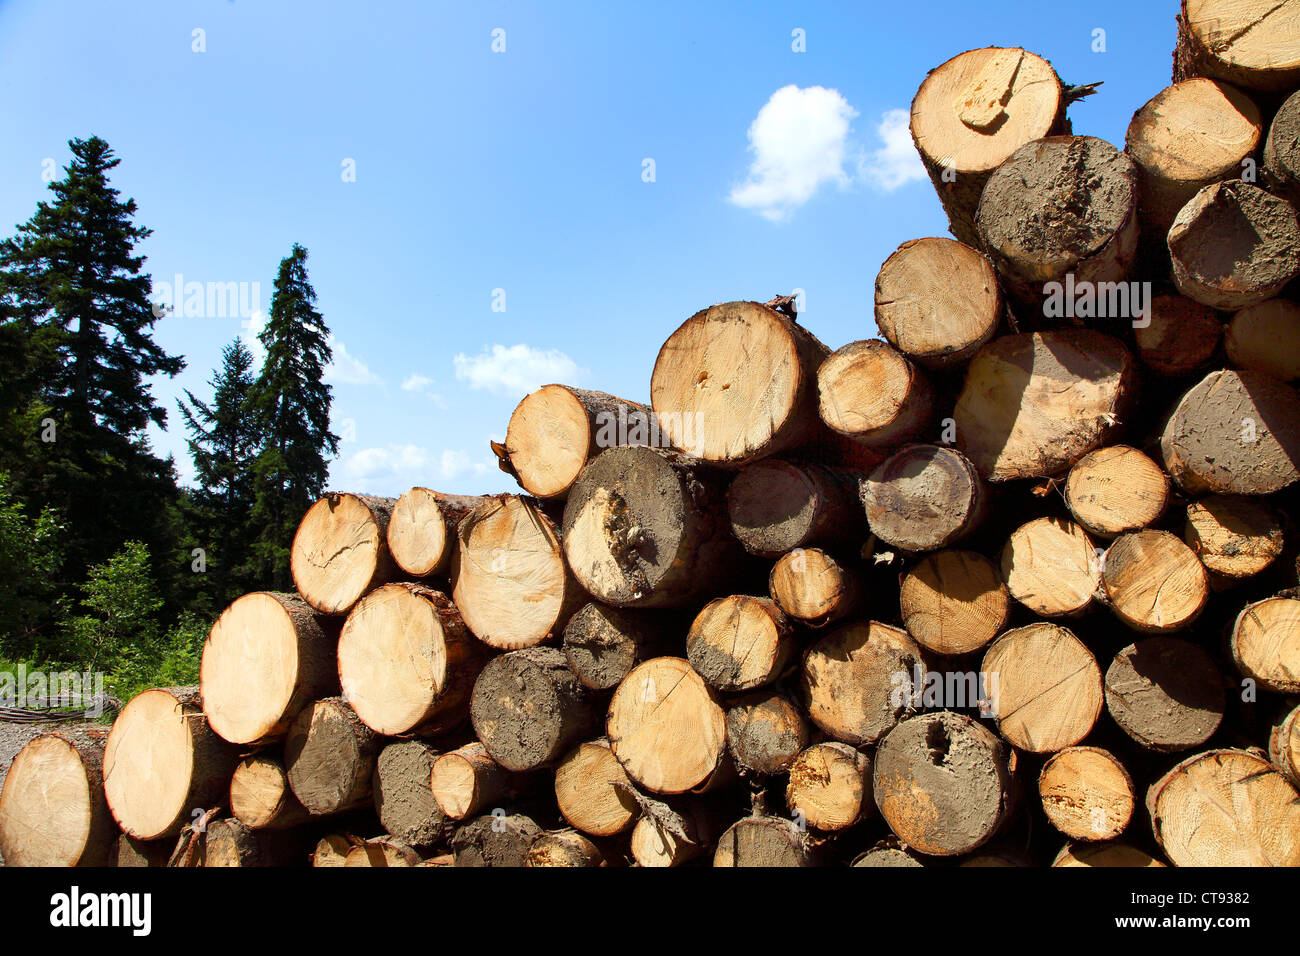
column 73, row 289
column 223, row 445
column 292, row 405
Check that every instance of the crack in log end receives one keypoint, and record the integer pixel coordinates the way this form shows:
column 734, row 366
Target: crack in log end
column 937, row 742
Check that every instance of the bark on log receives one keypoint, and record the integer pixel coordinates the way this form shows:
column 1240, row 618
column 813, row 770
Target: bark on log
column 763, row 841
column 422, row 530
column 739, row 643
column 340, row 550
column 765, row 732
column 1233, row 245
column 602, row 644
column 1252, row 43
column 495, row 840
column 870, row 392
column 972, row 113
column 1166, row 693
column 924, row 497
column 267, row 656
column 142, row 853
column 954, row 602
column 564, row 848
column 1266, row 338
column 230, row 843
column 467, row 781
column 1180, row 336
column 830, row 786
column 1051, row 567
column 333, row 849
column 812, row 587
column 775, row 506
column 667, row 836
column 330, row 757
column 860, row 680
column 1282, row 151
column 1087, row 793
column 1265, row 643
column 1116, row 489
column 1234, row 536
column 593, row 791
column 403, row 793
column 162, row 761
column 556, row 430
column 1153, row 581
column 1284, row 745
column 938, row 301
column 260, row 795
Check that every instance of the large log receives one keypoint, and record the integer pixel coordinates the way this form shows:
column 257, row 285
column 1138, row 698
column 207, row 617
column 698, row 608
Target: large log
column 1166, row 693
column 162, row 762
column 329, row 757
column 340, row 550
column 924, row 497
column 954, row 602
column 738, row 382
column 972, row 113
column 739, row 642
column 647, row 528
column 775, row 506
column 1265, row 643
column 557, row 429
column 1153, row 581
column 1086, row 793
column 407, row 662
column 1116, row 489
column 511, row 584
column 267, row 656
column 860, row 680
column 1034, row 404
column 812, row 587
column 1051, row 567
column 422, row 530
column 52, row 808
column 1252, row 43
column 870, row 392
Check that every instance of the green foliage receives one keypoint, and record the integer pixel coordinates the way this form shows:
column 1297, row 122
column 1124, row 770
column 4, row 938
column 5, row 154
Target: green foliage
column 29, row 560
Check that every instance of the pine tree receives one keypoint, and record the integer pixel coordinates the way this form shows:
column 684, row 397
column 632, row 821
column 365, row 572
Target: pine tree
column 73, row 289
column 223, row 445
column 292, row 405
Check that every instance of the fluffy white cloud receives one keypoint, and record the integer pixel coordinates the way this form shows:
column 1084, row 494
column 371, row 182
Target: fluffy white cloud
column 515, row 369
column 408, row 465
column 347, row 369
column 799, row 142
column 896, row 162
column 423, row 385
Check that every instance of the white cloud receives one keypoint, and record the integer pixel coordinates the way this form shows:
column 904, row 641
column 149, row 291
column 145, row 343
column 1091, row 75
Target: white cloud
column 516, row 369
column 347, row 369
column 409, row 465
column 423, row 385
column 799, row 141
column 896, row 162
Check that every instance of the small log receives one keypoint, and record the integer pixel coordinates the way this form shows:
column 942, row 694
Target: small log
column 602, row 644
column 499, row 839
column 403, row 795
column 1153, row 581
column 1044, row 687
column 1166, row 693
column 860, row 680
column 775, row 506
column 556, row 430
column 1234, row 536
column 765, row 732
column 812, row 587
column 954, row 602
column 665, row 836
column 1234, row 245
column 1117, row 489
column 1180, row 336
column 1086, row 793
column 830, row 786
column 942, row 782
column 888, row 857
column 230, row 843
column 1266, row 338
column 528, row 709
column 383, row 851
column 870, row 392
column 260, row 795
column 739, row 642
column 1265, row 643
column 329, row 757
column 422, row 530
column 1112, row 853
column 1282, row 151
column 938, row 301
column 564, row 848
column 593, row 791
column 1051, row 567
column 467, row 781
column 340, row 550
column 333, row 849
column 924, row 497
column 763, row 841
column 1187, row 812
column 1284, row 745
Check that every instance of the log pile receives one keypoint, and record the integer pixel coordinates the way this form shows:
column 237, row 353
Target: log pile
column 1015, row 583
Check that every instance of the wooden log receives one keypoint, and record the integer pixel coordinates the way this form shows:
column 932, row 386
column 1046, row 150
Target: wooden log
column 1153, row 581
column 1266, row 338
column 329, row 757
column 1111, row 853
column 593, row 791
column 954, row 602
column 1032, row 243
column 557, row 429
column 775, row 506
column 1284, row 745
column 647, row 528
column 466, row 781
column 763, row 841
column 1282, row 151
column 52, row 807
column 812, row 587
column 860, row 680
column 511, row 584
column 943, row 783
column 1252, row 43
column 495, row 840
column 340, row 550
column 666, row 727
column 1234, row 432
column 260, row 795
column 422, row 530
column 924, row 497
column 1180, row 336
column 830, row 786
column 888, row 857
column 231, row 843
column 870, row 392
column 972, row 113
column 1265, row 643
column 564, row 848
column 1086, row 793
column 1034, row 404
column 1234, row 245
column 162, row 762
column 333, row 849
column 738, row 382
column 1234, row 536
column 1187, row 815
column 1051, row 567
column 670, row 836
column 1116, row 489
column 1175, row 158
column 1044, row 687
column 602, row 644
column 383, row 851
column 403, row 793
column 141, row 853
column 267, row 656
column 765, row 732
column 938, row 301
column 407, row 662
column 1166, row 693
column 739, row 642
column 529, row 709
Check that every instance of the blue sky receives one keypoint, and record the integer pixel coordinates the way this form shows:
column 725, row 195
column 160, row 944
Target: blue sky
column 480, row 221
